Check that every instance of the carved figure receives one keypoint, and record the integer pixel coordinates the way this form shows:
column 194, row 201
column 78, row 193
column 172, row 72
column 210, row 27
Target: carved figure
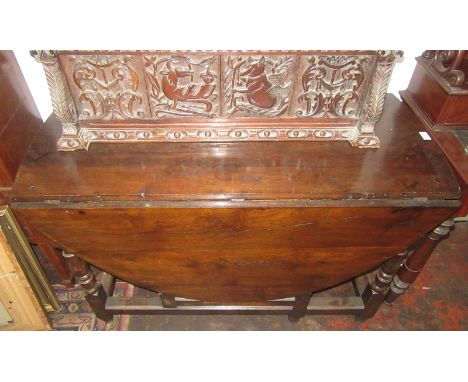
column 176, row 93
column 258, row 86
column 266, row 90
column 175, row 89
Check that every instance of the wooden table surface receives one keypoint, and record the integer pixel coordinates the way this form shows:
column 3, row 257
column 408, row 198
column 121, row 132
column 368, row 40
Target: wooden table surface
column 405, row 167
column 242, row 222
column 454, row 152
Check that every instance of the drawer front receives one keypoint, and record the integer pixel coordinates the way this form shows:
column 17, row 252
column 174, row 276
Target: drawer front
column 235, row 254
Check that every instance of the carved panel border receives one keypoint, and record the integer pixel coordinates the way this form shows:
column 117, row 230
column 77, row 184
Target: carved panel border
column 89, row 135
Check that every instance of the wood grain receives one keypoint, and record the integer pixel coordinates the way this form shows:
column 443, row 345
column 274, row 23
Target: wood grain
column 235, row 254
column 239, row 222
column 405, row 167
column 19, row 118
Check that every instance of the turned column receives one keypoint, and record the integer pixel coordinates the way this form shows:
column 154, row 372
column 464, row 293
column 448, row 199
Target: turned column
column 413, row 266
column 374, row 294
column 95, row 294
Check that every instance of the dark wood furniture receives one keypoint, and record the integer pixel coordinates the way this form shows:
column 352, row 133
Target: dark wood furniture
column 19, row 120
column 206, row 96
column 251, row 227
column 19, row 123
column 438, row 90
column 456, row 155
column 438, row 95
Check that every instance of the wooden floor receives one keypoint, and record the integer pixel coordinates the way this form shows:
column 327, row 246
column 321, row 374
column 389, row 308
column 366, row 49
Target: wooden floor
column 437, row 301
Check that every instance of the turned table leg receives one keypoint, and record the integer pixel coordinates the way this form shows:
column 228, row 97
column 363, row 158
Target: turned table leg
column 95, row 293
column 413, row 266
column 374, row 294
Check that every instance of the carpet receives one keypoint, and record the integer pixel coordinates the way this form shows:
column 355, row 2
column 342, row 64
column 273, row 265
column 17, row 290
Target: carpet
column 76, row 314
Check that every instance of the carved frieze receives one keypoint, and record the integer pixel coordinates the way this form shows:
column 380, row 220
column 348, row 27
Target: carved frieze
column 132, row 96
column 225, row 134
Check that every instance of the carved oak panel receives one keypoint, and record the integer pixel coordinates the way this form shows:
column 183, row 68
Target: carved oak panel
column 333, row 86
column 181, row 85
column 132, row 96
column 259, row 85
column 105, row 86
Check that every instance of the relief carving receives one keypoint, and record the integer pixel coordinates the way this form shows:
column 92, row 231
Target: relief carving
column 182, row 86
column 63, row 106
column 107, row 87
column 447, row 63
column 378, row 88
column 132, row 96
column 257, row 85
column 332, row 86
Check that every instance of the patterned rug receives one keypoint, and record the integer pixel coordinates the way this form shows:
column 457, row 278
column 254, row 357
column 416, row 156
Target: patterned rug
column 76, row 314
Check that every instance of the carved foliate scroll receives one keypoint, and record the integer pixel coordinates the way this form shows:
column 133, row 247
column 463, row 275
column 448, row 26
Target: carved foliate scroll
column 448, row 63
column 106, row 87
column 133, row 96
column 333, row 86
